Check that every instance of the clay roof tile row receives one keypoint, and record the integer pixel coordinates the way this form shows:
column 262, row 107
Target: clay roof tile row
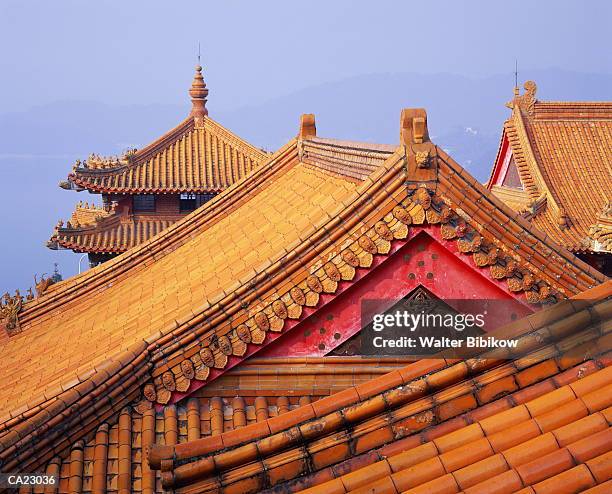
column 111, row 235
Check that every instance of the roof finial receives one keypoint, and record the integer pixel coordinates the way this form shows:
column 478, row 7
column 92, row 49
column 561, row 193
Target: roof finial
column 198, row 92
column 516, row 88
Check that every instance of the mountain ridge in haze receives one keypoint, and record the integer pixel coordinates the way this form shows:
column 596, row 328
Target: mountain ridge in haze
column 363, row 108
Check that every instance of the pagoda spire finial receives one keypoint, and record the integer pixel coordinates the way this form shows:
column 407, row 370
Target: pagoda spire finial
column 516, row 88
column 198, row 92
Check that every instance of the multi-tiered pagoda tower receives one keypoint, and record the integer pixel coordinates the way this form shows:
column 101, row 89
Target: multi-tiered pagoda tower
column 145, row 191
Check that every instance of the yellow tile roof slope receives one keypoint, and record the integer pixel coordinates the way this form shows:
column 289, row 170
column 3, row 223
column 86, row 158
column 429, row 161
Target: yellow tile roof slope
column 119, row 230
column 197, row 156
column 438, row 425
column 236, row 247
column 563, row 153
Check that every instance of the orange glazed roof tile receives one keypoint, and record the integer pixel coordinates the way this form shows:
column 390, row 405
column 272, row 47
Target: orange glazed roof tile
column 113, row 456
column 113, row 236
column 437, row 425
column 563, row 154
column 198, row 155
column 147, row 325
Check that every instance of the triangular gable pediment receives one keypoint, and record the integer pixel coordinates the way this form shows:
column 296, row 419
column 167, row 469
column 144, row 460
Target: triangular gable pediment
column 423, row 263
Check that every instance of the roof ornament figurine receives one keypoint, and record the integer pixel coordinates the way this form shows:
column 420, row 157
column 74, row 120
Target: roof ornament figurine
column 600, row 234
column 128, row 154
column 308, row 126
column 365, row 222
column 423, row 159
column 10, row 306
column 526, row 101
column 198, row 157
column 420, row 151
column 44, row 283
column 542, row 144
column 564, row 221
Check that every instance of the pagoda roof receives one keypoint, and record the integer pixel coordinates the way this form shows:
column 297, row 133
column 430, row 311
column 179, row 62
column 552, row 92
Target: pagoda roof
column 94, row 229
column 206, row 292
column 563, row 155
column 540, row 422
column 199, row 155
column 193, row 157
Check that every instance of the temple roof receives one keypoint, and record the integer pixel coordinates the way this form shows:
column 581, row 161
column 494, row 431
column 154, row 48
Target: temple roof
column 95, row 229
column 220, row 283
column 199, row 155
column 539, row 421
column 563, row 154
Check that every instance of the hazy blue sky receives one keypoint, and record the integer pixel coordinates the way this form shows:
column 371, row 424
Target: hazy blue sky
column 143, row 51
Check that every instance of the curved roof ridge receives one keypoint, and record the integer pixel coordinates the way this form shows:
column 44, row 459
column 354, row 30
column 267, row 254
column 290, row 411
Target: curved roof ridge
column 122, row 231
column 556, row 161
column 344, row 158
column 195, row 221
column 489, row 203
column 594, row 103
column 528, row 157
column 137, row 157
column 572, row 110
column 197, row 155
column 172, row 135
column 215, row 305
column 562, row 152
column 255, row 256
